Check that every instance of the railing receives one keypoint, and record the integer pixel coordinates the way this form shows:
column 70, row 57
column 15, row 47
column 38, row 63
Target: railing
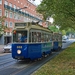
column 20, row 12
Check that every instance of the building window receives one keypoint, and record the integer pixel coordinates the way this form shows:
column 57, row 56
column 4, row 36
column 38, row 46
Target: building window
column 6, row 23
column 0, row 12
column 18, row 1
column 6, row 3
column 10, row 4
column 6, row 13
column 15, row 16
column 10, row 25
column 14, row 6
column 18, row 17
column 0, row 1
column 11, row 14
column 18, row 8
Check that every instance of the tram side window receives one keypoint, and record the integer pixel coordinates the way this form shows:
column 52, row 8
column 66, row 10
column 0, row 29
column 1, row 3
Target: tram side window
column 42, row 37
column 46, row 37
column 30, row 37
column 59, row 38
column 55, row 37
column 50, row 37
column 34, row 37
column 38, row 36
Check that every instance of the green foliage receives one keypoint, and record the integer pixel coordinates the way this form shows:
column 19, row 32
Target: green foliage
column 63, row 11
column 53, row 28
column 70, row 31
column 2, row 27
column 63, row 32
column 62, row 64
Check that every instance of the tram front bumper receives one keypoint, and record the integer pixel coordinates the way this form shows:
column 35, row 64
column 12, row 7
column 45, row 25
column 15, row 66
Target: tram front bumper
column 19, row 57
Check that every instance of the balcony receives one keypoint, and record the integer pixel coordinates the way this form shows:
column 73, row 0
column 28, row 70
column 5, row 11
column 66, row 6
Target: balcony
column 7, row 7
column 20, row 12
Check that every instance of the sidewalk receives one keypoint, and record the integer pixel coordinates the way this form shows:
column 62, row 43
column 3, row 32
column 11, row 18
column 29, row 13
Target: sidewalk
column 1, row 51
column 1, row 48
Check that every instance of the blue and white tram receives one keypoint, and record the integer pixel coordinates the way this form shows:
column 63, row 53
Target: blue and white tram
column 38, row 44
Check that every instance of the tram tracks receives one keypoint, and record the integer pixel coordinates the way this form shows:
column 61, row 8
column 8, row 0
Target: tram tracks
column 6, row 63
column 32, row 68
column 13, row 67
column 29, row 69
column 5, row 60
column 23, row 68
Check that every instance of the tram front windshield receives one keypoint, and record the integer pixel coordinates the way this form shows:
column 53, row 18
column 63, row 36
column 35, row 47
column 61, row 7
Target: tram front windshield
column 19, row 36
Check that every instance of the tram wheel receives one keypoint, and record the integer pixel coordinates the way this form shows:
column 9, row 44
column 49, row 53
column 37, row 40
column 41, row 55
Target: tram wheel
column 43, row 54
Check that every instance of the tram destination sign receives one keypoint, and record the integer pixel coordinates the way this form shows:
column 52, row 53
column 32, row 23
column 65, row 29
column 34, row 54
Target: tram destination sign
column 20, row 24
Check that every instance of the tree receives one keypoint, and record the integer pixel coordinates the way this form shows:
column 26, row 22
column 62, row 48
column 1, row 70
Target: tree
column 63, row 12
column 2, row 27
column 63, row 32
column 70, row 32
column 53, row 28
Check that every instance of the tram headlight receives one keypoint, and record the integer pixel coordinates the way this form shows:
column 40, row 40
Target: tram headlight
column 18, row 51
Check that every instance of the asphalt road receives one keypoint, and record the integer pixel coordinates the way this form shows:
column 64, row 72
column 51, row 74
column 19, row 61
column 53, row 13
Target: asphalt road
column 9, row 66
column 66, row 43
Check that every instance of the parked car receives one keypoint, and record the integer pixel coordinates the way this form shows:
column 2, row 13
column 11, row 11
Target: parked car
column 65, row 37
column 7, row 48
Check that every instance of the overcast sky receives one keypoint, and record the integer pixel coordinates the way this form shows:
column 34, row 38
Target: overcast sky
column 37, row 2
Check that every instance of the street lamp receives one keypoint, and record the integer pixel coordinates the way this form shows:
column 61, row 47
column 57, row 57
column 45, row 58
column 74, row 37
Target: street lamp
column 22, row 8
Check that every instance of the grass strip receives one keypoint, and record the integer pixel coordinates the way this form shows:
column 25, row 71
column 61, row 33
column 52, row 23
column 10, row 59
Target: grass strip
column 62, row 64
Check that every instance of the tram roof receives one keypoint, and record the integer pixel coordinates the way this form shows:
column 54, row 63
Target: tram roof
column 30, row 25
